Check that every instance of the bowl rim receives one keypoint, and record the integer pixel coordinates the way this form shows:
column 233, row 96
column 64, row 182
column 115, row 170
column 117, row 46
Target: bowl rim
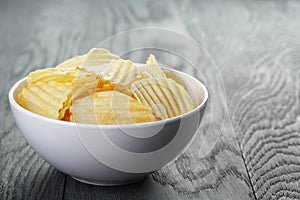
column 14, row 104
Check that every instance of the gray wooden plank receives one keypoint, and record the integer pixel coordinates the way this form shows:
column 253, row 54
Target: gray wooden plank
column 25, row 46
column 256, row 46
column 41, row 35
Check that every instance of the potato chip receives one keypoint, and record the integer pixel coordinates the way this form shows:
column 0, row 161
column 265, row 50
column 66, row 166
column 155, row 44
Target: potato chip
column 85, row 83
column 120, row 72
column 49, row 99
column 82, row 81
column 109, row 107
column 49, row 92
column 105, row 87
column 164, row 96
column 72, row 63
column 52, row 74
column 151, row 60
column 123, row 89
column 152, row 70
column 118, row 88
column 67, row 116
column 145, row 75
column 151, row 101
column 97, row 59
column 170, row 75
column 100, row 87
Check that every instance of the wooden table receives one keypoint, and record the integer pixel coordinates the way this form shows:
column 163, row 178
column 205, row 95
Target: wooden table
column 255, row 94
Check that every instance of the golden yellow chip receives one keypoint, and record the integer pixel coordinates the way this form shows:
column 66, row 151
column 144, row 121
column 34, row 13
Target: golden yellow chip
column 82, row 81
column 49, row 92
column 152, row 70
column 49, row 99
column 105, row 87
column 52, row 74
column 85, row 83
column 145, row 75
column 97, row 59
column 121, row 72
column 102, row 88
column 164, row 96
column 109, row 107
column 72, row 63
column 67, row 116
column 174, row 77
column 123, row 89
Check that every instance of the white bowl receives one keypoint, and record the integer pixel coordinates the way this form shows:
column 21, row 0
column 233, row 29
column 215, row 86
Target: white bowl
column 110, row 154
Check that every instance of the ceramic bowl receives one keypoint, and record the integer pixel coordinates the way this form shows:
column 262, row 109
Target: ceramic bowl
column 111, row 154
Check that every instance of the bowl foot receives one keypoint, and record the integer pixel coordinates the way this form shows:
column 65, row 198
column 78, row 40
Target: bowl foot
column 107, row 183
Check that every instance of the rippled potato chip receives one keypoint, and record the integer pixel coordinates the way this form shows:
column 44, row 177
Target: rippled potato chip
column 97, row 59
column 105, row 87
column 85, row 83
column 49, row 92
column 52, row 74
column 72, row 63
column 110, row 107
column 101, row 88
column 174, row 77
column 164, row 96
column 109, row 87
column 121, row 72
column 49, row 99
column 152, row 70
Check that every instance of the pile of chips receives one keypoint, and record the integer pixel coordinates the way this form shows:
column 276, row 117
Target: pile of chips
column 101, row 88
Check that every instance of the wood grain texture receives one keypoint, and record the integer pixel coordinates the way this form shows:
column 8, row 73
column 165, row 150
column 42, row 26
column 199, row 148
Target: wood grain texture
column 24, row 175
column 256, row 47
column 46, row 36
column 260, row 67
column 216, row 177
